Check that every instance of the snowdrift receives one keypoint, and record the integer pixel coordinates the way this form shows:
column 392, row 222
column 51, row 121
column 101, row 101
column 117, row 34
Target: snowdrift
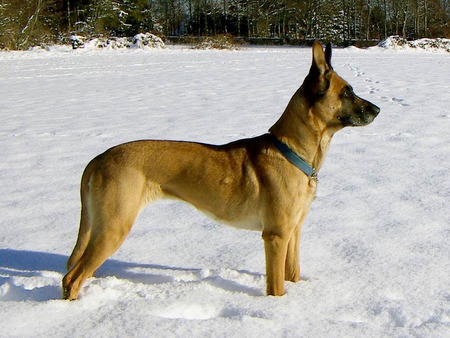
column 396, row 42
column 142, row 40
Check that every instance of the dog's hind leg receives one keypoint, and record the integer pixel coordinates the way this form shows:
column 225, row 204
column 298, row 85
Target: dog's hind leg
column 98, row 250
column 113, row 205
column 84, row 235
column 109, row 232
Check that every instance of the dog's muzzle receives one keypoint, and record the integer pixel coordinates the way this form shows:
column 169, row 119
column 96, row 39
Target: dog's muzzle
column 363, row 114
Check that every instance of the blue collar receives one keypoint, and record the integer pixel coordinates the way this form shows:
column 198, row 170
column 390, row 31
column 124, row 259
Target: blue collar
column 292, row 157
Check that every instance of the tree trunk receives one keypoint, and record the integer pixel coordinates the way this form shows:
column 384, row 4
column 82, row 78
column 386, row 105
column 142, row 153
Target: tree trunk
column 68, row 17
column 369, row 11
column 225, row 15
column 425, row 18
column 26, row 31
column 405, row 19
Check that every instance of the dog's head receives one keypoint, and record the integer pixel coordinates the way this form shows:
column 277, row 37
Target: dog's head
column 331, row 98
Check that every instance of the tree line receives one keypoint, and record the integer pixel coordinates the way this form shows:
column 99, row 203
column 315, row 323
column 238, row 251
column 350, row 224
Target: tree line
column 24, row 23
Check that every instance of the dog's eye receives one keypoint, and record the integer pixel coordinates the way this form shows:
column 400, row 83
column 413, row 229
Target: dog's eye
column 347, row 93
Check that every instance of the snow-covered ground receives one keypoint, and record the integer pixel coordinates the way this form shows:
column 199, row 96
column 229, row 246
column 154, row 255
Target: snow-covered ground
column 396, row 42
column 375, row 246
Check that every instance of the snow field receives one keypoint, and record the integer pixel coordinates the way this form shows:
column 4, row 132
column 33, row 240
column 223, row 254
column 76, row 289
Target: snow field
column 374, row 249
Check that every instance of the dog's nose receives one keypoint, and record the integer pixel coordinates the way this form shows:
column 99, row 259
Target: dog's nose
column 375, row 109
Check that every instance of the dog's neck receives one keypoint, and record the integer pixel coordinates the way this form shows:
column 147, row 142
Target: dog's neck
column 302, row 131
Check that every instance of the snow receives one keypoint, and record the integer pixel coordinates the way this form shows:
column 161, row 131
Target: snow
column 396, row 42
column 141, row 40
column 374, row 249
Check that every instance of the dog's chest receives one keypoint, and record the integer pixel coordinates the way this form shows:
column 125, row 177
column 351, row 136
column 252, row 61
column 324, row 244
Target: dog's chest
column 247, row 222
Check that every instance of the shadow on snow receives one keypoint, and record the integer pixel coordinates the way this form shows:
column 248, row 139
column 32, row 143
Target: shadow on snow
column 35, row 276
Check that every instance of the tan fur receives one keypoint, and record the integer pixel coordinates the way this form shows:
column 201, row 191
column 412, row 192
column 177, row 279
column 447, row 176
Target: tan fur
column 248, row 183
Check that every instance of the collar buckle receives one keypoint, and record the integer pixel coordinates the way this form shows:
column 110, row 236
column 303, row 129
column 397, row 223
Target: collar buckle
column 314, row 176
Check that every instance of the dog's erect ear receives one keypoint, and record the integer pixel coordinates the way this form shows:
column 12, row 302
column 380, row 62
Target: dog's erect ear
column 328, row 55
column 319, row 61
column 318, row 79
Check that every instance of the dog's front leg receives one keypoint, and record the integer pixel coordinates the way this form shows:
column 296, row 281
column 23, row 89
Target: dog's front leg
column 292, row 267
column 275, row 246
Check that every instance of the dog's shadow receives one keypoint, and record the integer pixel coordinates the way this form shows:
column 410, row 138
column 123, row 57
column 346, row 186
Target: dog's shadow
column 36, row 276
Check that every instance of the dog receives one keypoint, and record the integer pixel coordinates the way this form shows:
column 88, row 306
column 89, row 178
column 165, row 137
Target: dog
column 266, row 183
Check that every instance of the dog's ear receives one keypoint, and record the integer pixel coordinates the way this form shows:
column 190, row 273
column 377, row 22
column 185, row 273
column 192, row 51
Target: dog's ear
column 319, row 61
column 328, row 54
column 318, row 79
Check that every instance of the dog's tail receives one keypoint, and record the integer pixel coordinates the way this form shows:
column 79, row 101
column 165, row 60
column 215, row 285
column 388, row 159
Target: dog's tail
column 84, row 233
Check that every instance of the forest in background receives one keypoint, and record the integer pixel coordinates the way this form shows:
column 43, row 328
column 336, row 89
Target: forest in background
column 25, row 23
